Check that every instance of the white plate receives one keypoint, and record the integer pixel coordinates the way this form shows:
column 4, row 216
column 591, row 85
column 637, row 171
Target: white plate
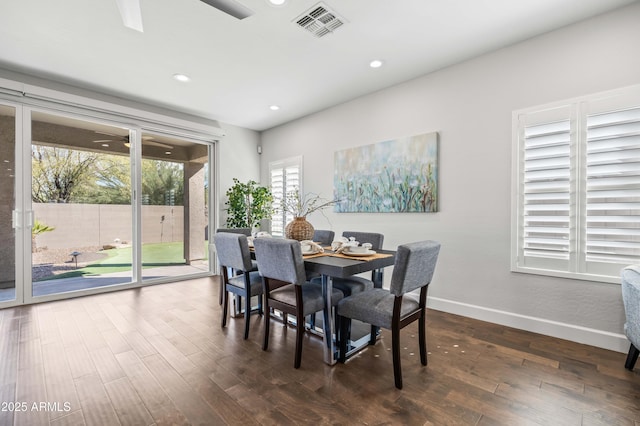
column 310, row 252
column 366, row 253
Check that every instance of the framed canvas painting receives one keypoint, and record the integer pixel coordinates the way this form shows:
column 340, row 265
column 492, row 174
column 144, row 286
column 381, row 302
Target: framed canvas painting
column 395, row 176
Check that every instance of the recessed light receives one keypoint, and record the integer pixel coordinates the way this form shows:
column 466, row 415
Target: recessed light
column 274, row 107
column 376, row 63
column 106, row 145
column 276, row 2
column 168, row 152
column 181, row 77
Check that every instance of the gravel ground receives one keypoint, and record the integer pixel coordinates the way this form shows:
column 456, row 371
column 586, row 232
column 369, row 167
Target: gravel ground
column 48, row 262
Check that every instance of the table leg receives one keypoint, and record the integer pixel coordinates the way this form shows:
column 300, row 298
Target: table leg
column 327, row 322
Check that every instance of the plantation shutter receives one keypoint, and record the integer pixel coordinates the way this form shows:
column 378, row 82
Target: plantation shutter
column 613, row 187
column 576, row 205
column 545, row 189
column 277, row 191
column 285, row 177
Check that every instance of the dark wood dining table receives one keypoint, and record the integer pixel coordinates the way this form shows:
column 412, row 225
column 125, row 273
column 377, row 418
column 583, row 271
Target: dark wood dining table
column 329, row 267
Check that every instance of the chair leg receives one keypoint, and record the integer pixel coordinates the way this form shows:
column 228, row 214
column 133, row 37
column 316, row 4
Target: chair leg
column 247, row 316
column 344, row 325
column 375, row 330
column 299, row 337
column 397, row 368
column 422, row 340
column 267, row 321
column 632, row 357
column 225, row 306
column 312, row 321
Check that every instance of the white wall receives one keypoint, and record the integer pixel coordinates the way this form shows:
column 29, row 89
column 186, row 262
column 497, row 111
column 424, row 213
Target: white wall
column 470, row 105
column 238, row 158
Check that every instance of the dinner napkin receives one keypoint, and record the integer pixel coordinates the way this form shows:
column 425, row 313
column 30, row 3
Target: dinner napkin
column 315, row 247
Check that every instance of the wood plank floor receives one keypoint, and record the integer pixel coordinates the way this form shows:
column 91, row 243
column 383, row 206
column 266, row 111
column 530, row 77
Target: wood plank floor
column 158, row 356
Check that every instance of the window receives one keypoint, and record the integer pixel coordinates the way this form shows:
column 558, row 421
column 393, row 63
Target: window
column 576, row 205
column 286, row 176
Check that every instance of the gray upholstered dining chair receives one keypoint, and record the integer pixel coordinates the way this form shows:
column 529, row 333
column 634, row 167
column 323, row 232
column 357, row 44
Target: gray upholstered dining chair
column 351, row 285
column 631, row 299
column 324, row 237
column 286, row 288
column 354, row 285
column 394, row 309
column 238, row 274
column 243, row 231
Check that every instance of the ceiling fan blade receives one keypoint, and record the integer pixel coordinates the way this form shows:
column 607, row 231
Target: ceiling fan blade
column 105, row 133
column 161, row 145
column 230, row 7
column 131, row 13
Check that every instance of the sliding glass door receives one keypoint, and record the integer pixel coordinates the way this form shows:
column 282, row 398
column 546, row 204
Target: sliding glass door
column 90, row 204
column 81, row 201
column 8, row 208
column 174, row 206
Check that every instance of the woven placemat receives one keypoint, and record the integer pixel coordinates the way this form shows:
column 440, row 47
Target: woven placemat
column 373, row 256
column 310, row 256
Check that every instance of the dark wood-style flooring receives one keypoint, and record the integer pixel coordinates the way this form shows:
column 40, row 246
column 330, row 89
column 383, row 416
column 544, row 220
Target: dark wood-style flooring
column 158, row 356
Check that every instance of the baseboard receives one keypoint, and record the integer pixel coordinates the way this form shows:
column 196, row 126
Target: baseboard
column 589, row 336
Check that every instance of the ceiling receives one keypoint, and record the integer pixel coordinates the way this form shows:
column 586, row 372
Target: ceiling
column 238, row 68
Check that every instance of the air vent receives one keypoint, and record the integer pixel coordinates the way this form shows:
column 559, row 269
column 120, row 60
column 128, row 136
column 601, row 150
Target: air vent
column 320, row 20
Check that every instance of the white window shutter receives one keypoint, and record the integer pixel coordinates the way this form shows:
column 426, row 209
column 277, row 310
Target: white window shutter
column 613, row 187
column 576, row 205
column 545, row 188
column 285, row 177
column 277, row 182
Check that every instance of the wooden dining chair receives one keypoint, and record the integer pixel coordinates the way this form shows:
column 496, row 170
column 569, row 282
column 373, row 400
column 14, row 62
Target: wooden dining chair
column 286, row 288
column 238, row 274
column 394, row 309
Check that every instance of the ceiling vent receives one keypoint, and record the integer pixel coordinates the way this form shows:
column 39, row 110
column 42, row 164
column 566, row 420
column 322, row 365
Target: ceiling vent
column 320, row 20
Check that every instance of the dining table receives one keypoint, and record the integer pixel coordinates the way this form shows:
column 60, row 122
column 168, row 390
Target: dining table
column 329, row 265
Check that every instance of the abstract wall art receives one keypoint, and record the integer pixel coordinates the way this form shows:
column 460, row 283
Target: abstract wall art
column 394, row 176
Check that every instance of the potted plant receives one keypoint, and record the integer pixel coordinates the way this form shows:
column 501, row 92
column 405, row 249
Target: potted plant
column 247, row 204
column 299, row 206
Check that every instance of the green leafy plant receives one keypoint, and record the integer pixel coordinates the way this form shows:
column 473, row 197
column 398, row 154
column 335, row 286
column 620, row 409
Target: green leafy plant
column 247, row 204
column 37, row 229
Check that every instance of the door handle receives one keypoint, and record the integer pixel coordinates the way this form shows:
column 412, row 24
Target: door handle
column 29, row 219
column 15, row 219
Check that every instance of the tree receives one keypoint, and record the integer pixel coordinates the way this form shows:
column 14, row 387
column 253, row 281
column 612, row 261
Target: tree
column 58, row 173
column 112, row 183
column 62, row 175
column 162, row 182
